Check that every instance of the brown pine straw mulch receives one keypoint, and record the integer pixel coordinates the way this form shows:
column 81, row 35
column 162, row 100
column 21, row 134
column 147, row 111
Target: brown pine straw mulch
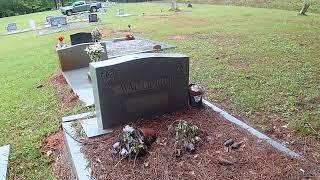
column 68, row 100
column 54, row 145
column 254, row 160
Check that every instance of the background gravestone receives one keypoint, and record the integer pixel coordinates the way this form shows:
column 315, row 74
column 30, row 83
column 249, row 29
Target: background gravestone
column 138, row 86
column 11, row 27
column 120, row 12
column 32, row 24
column 57, row 21
column 81, row 37
column 74, row 57
column 48, row 18
column 93, row 18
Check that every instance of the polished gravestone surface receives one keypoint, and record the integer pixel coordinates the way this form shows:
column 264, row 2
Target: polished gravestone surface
column 93, row 18
column 79, row 38
column 138, row 86
column 58, row 21
column 11, row 27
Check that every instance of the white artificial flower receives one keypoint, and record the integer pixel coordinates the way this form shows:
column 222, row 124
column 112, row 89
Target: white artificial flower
column 116, row 145
column 128, row 129
column 124, row 152
column 95, row 51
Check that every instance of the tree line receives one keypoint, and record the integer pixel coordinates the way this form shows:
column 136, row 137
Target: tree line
column 19, row 7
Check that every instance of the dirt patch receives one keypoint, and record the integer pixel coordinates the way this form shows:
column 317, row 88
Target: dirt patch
column 254, row 160
column 152, row 17
column 180, row 23
column 54, row 146
column 68, row 100
column 239, row 63
column 178, row 38
column 213, row 38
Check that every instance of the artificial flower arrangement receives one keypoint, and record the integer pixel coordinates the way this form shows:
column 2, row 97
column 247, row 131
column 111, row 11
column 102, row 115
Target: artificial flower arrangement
column 130, row 37
column 96, row 35
column 134, row 142
column 61, row 43
column 187, row 137
column 95, row 51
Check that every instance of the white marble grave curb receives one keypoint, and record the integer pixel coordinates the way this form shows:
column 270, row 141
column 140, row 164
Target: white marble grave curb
column 4, row 160
column 80, row 165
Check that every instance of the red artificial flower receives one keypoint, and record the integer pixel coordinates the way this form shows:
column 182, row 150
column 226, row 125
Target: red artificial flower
column 61, row 38
column 130, row 37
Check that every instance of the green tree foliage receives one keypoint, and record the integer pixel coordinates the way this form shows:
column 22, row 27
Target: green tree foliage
column 18, row 7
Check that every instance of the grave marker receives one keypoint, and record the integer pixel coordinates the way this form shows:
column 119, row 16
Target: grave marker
column 48, row 18
column 138, row 86
column 58, row 21
column 81, row 37
column 120, row 12
column 32, row 24
column 11, row 27
column 93, row 18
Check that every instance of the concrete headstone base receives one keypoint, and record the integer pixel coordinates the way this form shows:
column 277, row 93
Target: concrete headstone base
column 4, row 159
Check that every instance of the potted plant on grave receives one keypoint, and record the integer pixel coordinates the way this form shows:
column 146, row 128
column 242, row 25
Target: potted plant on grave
column 96, row 35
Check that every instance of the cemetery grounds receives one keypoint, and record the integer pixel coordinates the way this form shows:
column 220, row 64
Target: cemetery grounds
column 260, row 64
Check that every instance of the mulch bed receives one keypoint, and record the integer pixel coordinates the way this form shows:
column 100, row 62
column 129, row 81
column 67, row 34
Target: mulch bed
column 254, row 159
column 68, row 100
column 54, row 145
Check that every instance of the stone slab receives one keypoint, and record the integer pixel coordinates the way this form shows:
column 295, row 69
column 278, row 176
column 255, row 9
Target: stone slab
column 80, row 165
column 137, row 86
column 80, row 84
column 17, row 32
column 4, row 160
column 91, row 128
column 73, row 26
column 126, row 15
column 76, row 117
column 121, row 47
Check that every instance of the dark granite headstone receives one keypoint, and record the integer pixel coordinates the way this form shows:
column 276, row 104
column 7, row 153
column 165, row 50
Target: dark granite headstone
column 58, row 21
column 93, row 18
column 80, row 38
column 139, row 86
column 12, row 27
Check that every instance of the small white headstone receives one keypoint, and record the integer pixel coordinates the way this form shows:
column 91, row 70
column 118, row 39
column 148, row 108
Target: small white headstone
column 32, row 24
column 120, row 12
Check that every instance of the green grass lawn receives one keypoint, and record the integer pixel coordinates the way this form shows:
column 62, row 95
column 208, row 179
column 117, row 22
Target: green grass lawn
column 253, row 61
column 292, row 5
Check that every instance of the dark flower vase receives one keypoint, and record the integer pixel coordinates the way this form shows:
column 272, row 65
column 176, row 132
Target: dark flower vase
column 193, row 95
